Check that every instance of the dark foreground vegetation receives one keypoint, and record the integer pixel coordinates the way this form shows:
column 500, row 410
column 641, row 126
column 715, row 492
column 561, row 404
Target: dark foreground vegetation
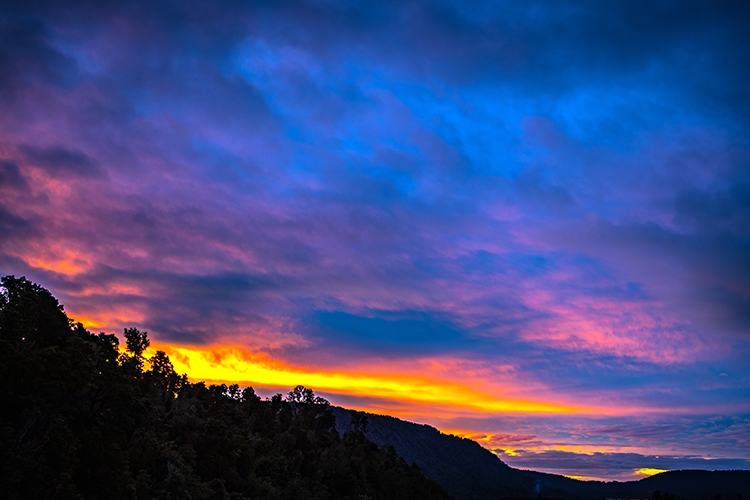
column 81, row 420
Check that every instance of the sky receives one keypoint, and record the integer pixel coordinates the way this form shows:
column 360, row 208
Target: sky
column 522, row 222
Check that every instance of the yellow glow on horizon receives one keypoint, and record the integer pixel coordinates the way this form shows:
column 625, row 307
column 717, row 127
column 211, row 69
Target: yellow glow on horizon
column 512, row 446
column 234, row 365
column 648, row 471
column 88, row 323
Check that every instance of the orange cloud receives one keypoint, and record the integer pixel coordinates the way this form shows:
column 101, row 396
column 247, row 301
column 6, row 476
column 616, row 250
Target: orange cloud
column 230, row 364
column 64, row 262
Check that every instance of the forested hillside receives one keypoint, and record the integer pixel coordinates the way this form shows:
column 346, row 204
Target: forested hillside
column 468, row 471
column 460, row 465
column 81, row 420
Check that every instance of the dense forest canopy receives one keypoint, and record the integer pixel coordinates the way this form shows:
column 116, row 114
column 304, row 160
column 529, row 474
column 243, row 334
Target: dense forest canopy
column 79, row 419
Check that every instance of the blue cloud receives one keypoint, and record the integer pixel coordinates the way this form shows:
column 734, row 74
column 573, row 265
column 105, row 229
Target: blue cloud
column 395, row 333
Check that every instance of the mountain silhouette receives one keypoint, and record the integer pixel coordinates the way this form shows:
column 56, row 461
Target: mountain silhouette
column 468, row 471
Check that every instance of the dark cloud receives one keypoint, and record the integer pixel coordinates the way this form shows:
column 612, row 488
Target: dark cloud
column 28, row 55
column 61, row 161
column 181, row 307
column 715, row 212
column 11, row 178
column 11, row 225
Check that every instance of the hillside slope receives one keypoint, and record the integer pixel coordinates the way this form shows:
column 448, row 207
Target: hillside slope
column 461, row 466
column 466, row 470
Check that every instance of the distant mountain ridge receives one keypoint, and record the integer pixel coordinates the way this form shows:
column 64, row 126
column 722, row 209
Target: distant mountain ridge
column 687, row 484
column 460, row 465
column 469, row 471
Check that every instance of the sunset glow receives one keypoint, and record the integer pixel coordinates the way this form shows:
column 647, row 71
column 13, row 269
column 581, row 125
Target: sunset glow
column 646, row 471
column 233, row 366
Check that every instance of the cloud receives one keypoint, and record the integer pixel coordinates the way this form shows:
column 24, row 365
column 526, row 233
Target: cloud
column 326, row 200
column 57, row 160
column 391, row 333
column 11, row 178
column 12, row 225
column 28, row 55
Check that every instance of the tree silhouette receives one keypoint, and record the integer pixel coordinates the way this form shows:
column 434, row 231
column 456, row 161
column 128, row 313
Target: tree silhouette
column 80, row 420
column 136, row 341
